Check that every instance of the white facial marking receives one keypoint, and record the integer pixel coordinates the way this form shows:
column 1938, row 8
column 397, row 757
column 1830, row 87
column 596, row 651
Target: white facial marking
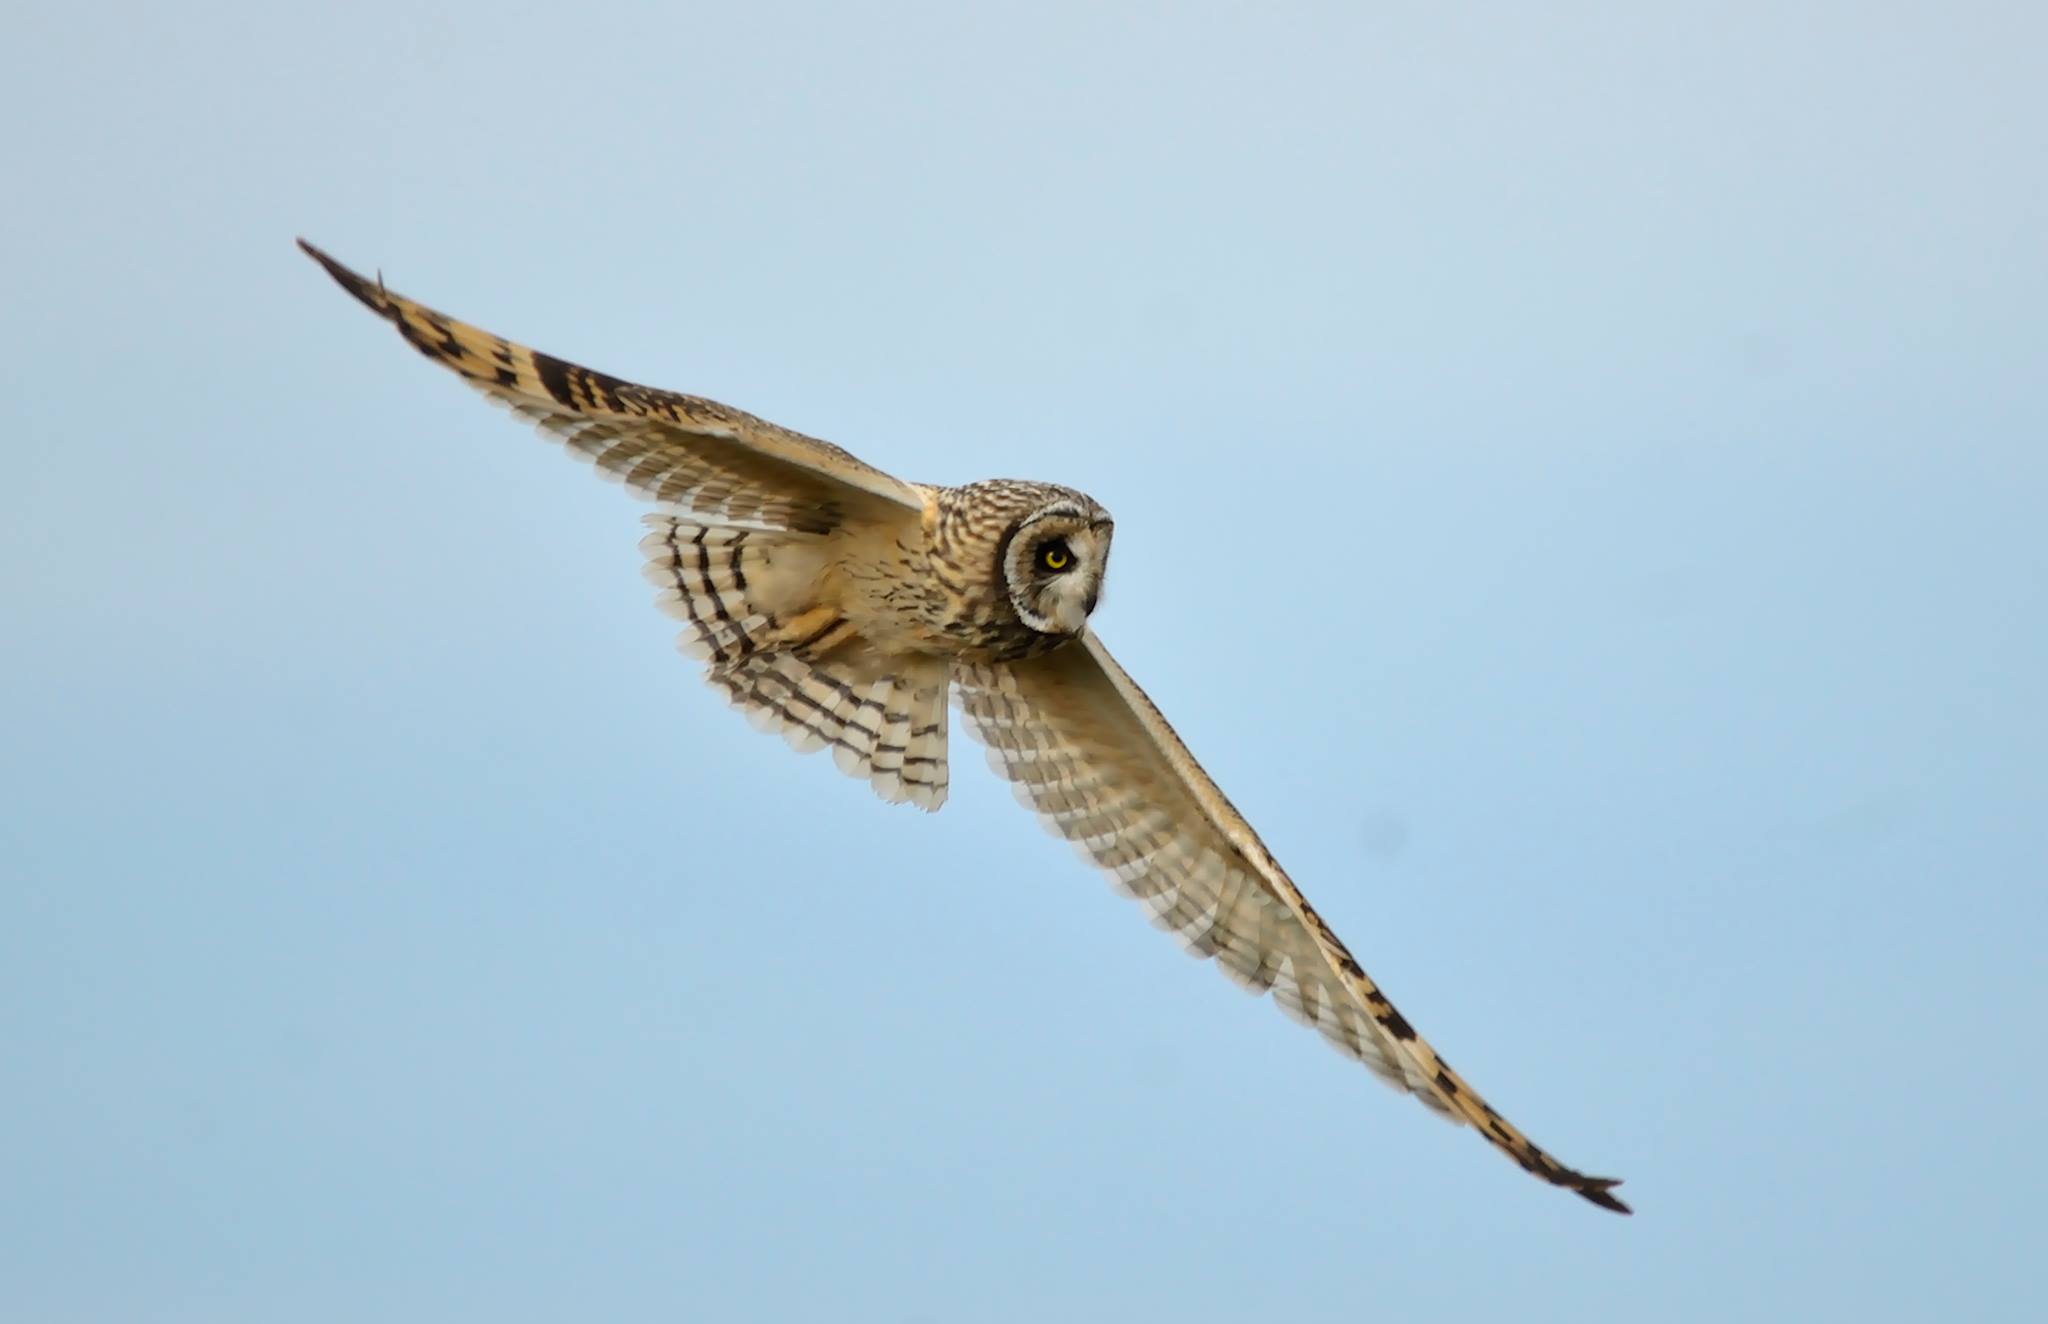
column 1055, row 569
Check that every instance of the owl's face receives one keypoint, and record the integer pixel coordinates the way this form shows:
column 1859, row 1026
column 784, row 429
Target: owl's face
column 1053, row 562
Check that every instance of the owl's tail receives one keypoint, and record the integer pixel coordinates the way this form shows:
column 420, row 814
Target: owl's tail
column 797, row 667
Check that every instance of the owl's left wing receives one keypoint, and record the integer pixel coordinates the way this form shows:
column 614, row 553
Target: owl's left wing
column 1087, row 750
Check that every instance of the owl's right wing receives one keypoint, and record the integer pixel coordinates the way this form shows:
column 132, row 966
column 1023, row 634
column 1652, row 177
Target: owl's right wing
column 1087, row 750
column 724, row 467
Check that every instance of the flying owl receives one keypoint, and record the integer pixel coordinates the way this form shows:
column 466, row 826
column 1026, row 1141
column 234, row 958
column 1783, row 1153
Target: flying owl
column 843, row 608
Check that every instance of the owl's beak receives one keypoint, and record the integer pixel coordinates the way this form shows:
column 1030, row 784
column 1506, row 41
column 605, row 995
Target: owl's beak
column 1070, row 610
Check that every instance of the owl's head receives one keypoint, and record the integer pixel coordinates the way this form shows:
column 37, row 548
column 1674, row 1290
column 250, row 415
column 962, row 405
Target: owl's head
column 1053, row 558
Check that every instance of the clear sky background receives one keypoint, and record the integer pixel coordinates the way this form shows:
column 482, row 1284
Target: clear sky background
column 1580, row 480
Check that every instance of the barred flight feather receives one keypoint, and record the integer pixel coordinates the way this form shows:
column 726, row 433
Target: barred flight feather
column 890, row 731
column 1084, row 747
column 701, row 457
column 747, row 598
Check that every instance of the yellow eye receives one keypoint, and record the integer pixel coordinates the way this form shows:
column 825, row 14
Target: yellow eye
column 1055, row 555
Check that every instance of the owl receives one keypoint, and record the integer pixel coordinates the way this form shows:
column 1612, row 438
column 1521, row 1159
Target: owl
column 847, row 609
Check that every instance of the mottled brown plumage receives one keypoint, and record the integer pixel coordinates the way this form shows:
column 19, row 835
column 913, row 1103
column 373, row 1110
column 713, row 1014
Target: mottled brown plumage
column 838, row 605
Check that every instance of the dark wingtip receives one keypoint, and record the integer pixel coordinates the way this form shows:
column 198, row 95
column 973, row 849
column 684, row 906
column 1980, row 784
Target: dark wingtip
column 1597, row 1189
column 371, row 295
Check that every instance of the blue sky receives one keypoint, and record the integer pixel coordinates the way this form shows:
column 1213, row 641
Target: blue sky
column 1579, row 481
